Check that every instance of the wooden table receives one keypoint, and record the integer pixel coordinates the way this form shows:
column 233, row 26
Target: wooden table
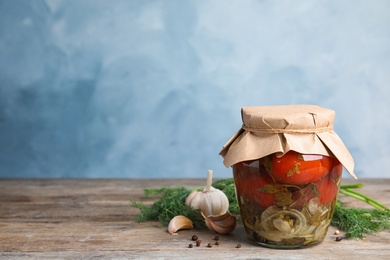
column 92, row 218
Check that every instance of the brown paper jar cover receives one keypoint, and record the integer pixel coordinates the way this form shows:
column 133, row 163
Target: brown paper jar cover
column 307, row 129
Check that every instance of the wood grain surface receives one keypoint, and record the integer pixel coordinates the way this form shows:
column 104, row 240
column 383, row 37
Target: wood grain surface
column 93, row 219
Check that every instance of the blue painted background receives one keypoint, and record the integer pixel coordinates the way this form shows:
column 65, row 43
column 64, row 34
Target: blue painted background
column 154, row 88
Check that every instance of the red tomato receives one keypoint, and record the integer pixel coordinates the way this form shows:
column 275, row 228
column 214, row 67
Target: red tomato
column 303, row 195
column 327, row 189
column 258, row 189
column 250, row 183
column 336, row 170
column 296, row 168
column 242, row 173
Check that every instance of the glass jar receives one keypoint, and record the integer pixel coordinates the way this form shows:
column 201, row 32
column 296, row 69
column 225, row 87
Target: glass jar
column 287, row 202
column 287, row 164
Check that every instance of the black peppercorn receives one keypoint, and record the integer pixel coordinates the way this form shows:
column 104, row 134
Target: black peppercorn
column 190, row 245
column 209, row 245
column 238, row 246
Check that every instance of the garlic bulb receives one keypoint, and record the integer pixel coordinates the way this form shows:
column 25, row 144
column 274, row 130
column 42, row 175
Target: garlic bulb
column 210, row 201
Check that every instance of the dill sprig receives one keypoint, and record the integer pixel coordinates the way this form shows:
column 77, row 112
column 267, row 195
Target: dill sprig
column 170, row 203
column 358, row 222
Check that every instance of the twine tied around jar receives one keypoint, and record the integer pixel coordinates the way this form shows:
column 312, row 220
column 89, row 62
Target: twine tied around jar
column 287, row 131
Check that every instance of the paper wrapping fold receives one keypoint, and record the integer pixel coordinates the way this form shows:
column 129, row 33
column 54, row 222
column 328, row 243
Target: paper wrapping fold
column 306, row 129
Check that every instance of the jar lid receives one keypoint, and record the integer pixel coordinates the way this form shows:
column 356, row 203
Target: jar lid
column 306, row 129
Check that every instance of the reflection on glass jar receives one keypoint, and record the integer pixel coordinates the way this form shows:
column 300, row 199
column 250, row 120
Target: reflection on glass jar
column 288, row 201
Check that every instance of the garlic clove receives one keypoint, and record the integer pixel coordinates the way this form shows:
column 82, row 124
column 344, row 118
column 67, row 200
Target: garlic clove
column 194, row 199
column 282, row 225
column 179, row 222
column 222, row 224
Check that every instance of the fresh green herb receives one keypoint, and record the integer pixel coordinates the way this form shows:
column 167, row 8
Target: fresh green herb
column 170, row 203
column 349, row 191
column 360, row 222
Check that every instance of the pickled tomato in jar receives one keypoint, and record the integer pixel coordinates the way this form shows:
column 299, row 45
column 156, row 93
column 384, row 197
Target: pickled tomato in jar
column 287, row 201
